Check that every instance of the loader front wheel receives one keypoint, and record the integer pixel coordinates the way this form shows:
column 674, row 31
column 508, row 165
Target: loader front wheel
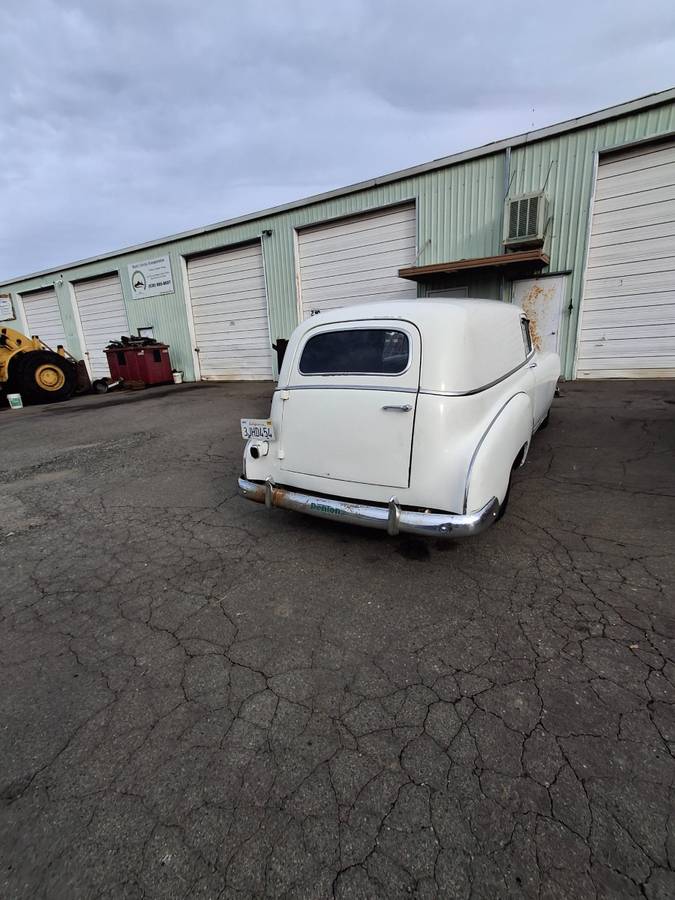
column 41, row 376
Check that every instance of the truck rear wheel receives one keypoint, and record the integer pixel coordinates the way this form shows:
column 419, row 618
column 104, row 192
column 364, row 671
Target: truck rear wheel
column 518, row 461
column 41, row 376
column 504, row 503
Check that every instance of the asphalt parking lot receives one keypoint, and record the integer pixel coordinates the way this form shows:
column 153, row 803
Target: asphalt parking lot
column 202, row 699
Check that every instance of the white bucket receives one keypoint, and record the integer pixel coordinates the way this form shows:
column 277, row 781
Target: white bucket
column 177, row 377
column 15, row 401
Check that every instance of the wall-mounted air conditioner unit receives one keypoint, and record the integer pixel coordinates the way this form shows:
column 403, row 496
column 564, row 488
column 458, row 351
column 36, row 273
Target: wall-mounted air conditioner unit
column 525, row 219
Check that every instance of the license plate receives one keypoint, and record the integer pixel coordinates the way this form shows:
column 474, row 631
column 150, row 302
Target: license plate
column 257, row 428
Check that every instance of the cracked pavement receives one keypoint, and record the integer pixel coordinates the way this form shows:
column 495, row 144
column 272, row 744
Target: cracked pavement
column 202, row 699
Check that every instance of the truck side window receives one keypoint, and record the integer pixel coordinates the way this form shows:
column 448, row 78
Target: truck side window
column 527, row 337
column 356, row 351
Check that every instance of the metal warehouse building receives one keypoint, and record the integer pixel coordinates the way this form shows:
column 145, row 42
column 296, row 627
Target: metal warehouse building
column 575, row 222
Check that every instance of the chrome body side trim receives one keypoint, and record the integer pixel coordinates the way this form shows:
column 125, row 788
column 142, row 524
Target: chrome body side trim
column 346, row 387
column 483, row 387
column 402, row 390
column 391, row 518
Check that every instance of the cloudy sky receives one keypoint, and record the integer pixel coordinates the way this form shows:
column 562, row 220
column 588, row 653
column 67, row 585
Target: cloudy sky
column 125, row 120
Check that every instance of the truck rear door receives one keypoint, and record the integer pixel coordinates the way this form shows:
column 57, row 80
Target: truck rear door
column 349, row 406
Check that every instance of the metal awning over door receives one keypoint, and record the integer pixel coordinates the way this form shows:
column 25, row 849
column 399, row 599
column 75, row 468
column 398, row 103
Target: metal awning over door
column 43, row 317
column 103, row 317
column 356, row 260
column 628, row 311
column 229, row 310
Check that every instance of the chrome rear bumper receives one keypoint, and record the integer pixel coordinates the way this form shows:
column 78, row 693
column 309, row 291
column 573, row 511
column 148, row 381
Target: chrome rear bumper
column 389, row 518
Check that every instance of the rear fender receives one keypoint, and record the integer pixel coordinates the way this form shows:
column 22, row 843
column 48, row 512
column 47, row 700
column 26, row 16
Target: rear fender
column 498, row 449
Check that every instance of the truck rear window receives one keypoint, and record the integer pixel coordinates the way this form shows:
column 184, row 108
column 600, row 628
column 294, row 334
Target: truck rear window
column 356, row 351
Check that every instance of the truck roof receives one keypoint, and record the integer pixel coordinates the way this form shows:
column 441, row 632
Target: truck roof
column 467, row 343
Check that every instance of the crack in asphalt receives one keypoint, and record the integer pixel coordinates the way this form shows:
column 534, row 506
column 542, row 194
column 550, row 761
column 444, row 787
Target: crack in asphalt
column 200, row 699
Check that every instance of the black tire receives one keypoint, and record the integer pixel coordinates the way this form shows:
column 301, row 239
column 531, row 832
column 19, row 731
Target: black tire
column 505, row 501
column 545, row 421
column 41, row 376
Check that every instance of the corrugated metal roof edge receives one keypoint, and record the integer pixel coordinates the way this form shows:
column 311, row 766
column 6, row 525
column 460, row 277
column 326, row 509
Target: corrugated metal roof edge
column 528, row 137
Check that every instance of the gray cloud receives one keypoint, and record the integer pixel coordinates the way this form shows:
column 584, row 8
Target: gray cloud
column 126, row 121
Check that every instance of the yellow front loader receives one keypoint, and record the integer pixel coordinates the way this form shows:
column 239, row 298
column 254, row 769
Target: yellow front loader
column 30, row 368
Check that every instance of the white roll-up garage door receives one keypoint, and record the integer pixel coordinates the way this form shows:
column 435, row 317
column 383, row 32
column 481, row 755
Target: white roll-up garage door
column 229, row 308
column 103, row 316
column 628, row 310
column 43, row 317
column 357, row 260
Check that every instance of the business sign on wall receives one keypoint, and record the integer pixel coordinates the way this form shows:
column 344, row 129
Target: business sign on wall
column 6, row 308
column 151, row 277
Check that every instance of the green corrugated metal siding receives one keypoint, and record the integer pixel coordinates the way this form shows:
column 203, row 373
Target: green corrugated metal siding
column 459, row 210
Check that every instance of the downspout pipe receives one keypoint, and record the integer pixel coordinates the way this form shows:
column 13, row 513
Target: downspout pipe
column 506, row 187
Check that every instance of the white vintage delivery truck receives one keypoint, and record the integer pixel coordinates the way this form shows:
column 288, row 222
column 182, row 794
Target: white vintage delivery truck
column 409, row 416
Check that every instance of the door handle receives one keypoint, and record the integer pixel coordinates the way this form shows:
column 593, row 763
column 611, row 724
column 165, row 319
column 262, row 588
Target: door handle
column 533, row 365
column 406, row 407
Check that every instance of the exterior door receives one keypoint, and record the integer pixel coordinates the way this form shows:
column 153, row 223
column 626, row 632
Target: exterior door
column 103, row 317
column 542, row 300
column 229, row 309
column 350, row 403
column 43, row 317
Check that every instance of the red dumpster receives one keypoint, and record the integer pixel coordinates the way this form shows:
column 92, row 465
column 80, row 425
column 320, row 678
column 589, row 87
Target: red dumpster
column 150, row 364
